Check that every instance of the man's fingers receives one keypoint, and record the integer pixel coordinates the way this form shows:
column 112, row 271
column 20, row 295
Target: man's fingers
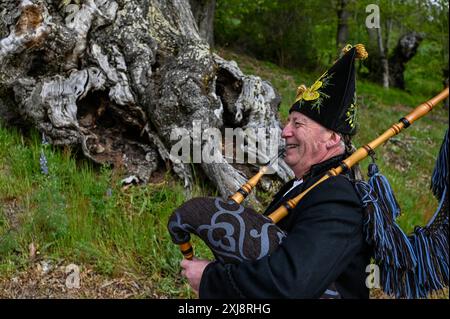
column 185, row 262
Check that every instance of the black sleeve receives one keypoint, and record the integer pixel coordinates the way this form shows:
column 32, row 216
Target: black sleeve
column 325, row 237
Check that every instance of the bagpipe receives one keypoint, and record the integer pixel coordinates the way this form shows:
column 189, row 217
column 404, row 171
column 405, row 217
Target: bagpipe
column 411, row 266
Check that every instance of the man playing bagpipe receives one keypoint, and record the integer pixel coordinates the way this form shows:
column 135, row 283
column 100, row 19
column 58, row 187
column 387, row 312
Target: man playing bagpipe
column 341, row 223
column 324, row 253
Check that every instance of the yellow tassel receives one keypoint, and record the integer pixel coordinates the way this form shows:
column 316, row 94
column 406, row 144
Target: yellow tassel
column 361, row 52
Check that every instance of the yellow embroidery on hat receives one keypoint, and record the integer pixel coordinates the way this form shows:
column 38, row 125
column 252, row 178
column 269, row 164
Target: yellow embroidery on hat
column 347, row 48
column 351, row 113
column 311, row 93
column 314, row 93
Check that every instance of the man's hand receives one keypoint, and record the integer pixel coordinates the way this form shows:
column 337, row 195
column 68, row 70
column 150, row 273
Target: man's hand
column 193, row 271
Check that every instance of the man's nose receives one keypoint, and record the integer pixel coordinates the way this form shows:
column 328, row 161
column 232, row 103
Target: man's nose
column 287, row 131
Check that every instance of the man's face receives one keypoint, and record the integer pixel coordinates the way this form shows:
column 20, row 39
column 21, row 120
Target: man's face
column 305, row 143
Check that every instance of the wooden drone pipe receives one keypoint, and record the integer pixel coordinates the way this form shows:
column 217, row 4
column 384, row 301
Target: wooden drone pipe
column 187, row 250
column 246, row 189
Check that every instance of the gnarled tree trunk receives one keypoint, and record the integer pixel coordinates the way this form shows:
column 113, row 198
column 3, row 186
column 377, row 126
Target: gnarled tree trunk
column 117, row 77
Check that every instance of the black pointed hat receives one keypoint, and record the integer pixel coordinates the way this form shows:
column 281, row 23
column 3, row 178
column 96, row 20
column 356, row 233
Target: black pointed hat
column 331, row 100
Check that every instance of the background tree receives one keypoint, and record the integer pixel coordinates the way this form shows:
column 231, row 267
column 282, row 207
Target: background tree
column 305, row 36
column 203, row 11
column 343, row 15
column 284, row 32
column 398, row 20
column 405, row 50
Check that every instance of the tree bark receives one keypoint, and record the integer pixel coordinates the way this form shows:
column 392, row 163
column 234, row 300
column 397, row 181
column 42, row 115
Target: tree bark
column 405, row 50
column 383, row 60
column 117, row 77
column 342, row 28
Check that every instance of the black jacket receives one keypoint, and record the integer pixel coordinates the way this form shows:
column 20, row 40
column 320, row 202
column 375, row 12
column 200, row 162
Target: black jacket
column 324, row 246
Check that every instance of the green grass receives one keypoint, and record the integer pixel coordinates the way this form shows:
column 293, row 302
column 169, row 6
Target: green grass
column 71, row 215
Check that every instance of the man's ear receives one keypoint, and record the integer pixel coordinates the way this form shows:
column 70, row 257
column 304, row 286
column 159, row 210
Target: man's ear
column 334, row 140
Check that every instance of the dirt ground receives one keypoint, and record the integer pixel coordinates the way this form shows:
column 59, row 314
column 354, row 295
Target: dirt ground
column 45, row 281
column 68, row 282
